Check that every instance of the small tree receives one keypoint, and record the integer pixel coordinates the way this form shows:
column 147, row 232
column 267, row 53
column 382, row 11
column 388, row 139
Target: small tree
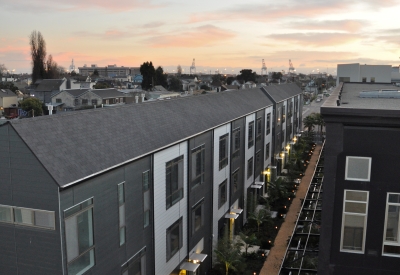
column 228, row 254
column 148, row 72
column 248, row 240
column 32, row 105
column 309, row 122
column 160, row 78
column 259, row 217
column 175, row 84
column 95, row 73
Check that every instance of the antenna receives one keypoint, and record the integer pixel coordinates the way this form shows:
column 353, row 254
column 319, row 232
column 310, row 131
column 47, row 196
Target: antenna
column 263, row 69
column 192, row 68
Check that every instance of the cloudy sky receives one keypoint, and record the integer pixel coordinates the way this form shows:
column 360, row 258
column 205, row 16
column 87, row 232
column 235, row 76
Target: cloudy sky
column 224, row 35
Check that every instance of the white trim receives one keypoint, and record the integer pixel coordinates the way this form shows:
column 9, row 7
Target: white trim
column 392, row 243
column 358, row 179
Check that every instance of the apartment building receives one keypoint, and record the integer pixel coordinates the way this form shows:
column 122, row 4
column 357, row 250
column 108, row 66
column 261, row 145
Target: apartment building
column 360, row 216
column 135, row 189
column 109, row 70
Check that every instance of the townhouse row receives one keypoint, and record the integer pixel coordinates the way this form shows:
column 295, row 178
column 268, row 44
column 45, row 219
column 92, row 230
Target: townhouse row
column 138, row 189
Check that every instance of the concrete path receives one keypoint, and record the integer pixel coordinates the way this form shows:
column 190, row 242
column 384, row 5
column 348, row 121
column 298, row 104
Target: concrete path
column 277, row 253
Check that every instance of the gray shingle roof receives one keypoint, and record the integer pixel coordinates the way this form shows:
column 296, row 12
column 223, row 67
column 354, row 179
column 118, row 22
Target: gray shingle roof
column 107, row 93
column 282, row 91
column 7, row 93
column 85, row 143
column 48, row 85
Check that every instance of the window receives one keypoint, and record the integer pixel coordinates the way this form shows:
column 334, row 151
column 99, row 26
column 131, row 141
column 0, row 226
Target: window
column 198, row 163
column 174, row 238
column 250, row 167
column 27, row 217
column 283, row 113
column 197, row 216
column 78, row 222
column 174, row 181
column 358, row 168
column 223, row 151
column 76, row 102
column 278, row 117
column 372, row 79
column 121, row 211
column 146, row 198
column 258, row 159
column 222, row 194
column 58, row 100
column 267, row 151
column 235, row 181
column 364, row 79
column 268, row 126
column 259, row 128
column 251, row 134
column 84, row 102
column 236, row 145
column 136, row 265
column 94, row 102
column 391, row 239
column 354, row 221
column 290, row 109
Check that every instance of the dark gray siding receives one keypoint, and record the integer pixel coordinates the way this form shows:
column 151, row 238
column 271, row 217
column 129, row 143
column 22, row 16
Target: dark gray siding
column 109, row 254
column 259, row 147
column 25, row 183
column 203, row 191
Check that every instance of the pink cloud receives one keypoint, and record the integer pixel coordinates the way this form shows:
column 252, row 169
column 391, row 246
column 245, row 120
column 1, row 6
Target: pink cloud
column 333, row 25
column 198, row 37
column 316, row 39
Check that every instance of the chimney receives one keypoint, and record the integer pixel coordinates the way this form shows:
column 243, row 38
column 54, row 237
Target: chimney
column 136, row 99
column 142, row 95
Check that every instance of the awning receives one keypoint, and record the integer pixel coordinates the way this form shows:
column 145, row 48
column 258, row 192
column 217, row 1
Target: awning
column 259, row 183
column 231, row 216
column 236, row 211
column 189, row 266
column 257, row 186
column 197, row 257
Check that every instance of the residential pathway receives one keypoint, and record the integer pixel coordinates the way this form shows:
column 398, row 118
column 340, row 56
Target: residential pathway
column 277, row 253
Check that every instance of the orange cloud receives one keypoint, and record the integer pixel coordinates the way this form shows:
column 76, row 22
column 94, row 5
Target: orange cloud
column 332, row 25
column 198, row 37
column 316, row 39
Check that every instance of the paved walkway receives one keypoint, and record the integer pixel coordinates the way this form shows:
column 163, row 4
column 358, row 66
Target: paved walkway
column 277, row 253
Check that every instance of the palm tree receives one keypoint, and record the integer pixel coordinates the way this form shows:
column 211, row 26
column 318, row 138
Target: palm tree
column 277, row 190
column 248, row 240
column 259, row 217
column 228, row 253
column 309, row 122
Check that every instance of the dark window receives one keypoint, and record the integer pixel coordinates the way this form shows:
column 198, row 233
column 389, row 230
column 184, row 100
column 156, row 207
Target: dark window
column 198, row 163
column 223, row 151
column 235, row 180
column 136, row 265
column 121, row 202
column 174, row 181
column 236, row 145
column 197, row 216
column 267, row 151
column 251, row 134
column 145, row 180
column 146, row 198
column 76, row 102
column 222, row 194
column 174, row 238
column 84, row 102
column 94, row 101
column 283, row 113
column 268, row 123
column 290, row 110
column 278, row 117
column 258, row 159
column 259, row 128
column 364, row 79
column 250, row 167
column 58, row 100
column 372, row 79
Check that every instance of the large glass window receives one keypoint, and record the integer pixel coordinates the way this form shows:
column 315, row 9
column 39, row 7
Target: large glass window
column 250, row 167
column 354, row 221
column 267, row 151
column 258, row 160
column 283, row 113
column 78, row 222
column 197, row 216
column 198, row 164
column 146, row 180
column 251, row 134
column 259, row 128
column 223, row 151
column 121, row 210
column 391, row 240
column 268, row 124
column 236, row 145
column 136, row 265
column 146, row 197
column 235, row 181
column 174, row 181
column 27, row 217
column 174, row 238
column 222, row 196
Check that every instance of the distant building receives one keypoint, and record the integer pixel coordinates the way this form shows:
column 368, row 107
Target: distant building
column 360, row 229
column 109, row 70
column 363, row 73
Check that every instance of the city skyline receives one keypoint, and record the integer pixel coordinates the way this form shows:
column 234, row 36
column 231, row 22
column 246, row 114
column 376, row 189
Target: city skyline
column 228, row 36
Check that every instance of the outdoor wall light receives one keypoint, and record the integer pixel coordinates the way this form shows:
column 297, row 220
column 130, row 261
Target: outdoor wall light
column 288, row 147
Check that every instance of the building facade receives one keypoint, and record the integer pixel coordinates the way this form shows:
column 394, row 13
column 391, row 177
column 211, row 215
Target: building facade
column 360, row 215
column 136, row 189
column 363, row 73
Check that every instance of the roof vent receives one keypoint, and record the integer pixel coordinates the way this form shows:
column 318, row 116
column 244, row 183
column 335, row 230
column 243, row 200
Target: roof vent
column 384, row 93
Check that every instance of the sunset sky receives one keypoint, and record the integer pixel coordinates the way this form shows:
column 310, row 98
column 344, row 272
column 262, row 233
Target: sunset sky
column 225, row 35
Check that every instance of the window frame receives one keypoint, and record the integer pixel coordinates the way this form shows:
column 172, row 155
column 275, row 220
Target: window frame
column 391, row 243
column 258, row 128
column 198, row 205
column 250, row 134
column 13, row 220
column 357, row 179
column 139, row 256
column 180, row 181
column 236, row 142
column 171, row 254
column 235, row 183
column 268, row 124
column 250, row 167
column 222, row 200
column 267, row 150
column 198, row 179
column 121, row 214
column 365, row 215
column 146, row 192
column 223, row 154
